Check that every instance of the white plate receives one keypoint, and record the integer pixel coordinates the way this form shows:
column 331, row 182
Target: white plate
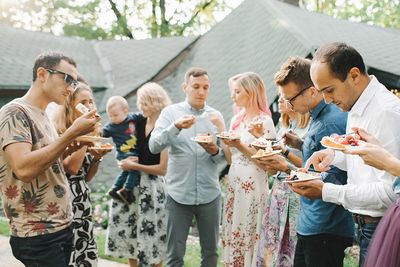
column 228, row 137
column 344, row 147
column 302, row 180
column 267, row 155
column 100, row 148
column 89, row 138
column 197, row 141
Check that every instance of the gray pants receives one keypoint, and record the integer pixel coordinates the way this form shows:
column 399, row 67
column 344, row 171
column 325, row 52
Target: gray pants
column 180, row 218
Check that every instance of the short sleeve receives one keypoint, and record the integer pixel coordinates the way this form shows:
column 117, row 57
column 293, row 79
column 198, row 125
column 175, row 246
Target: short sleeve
column 14, row 126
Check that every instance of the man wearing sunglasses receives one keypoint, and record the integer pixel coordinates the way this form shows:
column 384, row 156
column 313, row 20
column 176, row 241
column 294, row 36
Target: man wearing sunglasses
column 324, row 230
column 32, row 180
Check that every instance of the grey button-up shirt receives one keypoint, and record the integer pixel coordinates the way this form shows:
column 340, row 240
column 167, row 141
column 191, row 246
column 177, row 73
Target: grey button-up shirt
column 192, row 175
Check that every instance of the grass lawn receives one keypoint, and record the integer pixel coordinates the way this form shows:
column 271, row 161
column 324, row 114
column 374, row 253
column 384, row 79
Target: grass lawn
column 192, row 257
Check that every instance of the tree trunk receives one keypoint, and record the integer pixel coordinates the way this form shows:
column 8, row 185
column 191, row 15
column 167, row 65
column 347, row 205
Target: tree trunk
column 154, row 25
column 121, row 20
column 164, row 28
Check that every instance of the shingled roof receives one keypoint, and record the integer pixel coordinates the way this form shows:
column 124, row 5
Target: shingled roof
column 260, row 35
column 19, row 48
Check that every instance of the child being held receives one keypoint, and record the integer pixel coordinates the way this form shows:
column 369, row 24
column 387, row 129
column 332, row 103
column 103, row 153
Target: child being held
column 121, row 128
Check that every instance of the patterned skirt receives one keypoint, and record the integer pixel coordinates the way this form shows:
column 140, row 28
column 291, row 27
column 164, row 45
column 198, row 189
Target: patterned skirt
column 84, row 250
column 138, row 231
column 278, row 237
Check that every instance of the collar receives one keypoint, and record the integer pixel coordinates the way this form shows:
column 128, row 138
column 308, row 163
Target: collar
column 365, row 97
column 317, row 110
column 188, row 106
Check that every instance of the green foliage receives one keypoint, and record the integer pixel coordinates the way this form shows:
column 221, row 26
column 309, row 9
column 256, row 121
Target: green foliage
column 385, row 13
column 112, row 19
column 4, row 229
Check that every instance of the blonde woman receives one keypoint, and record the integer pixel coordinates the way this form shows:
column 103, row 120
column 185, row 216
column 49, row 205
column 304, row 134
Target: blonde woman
column 80, row 168
column 138, row 231
column 247, row 188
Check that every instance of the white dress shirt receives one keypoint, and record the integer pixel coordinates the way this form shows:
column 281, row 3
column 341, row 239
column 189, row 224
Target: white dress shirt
column 368, row 191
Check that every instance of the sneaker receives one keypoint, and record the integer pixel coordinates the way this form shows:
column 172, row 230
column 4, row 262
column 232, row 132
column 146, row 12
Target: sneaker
column 113, row 193
column 125, row 195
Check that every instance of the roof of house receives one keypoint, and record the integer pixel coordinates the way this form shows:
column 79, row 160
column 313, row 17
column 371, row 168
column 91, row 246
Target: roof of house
column 19, row 48
column 260, row 35
column 134, row 62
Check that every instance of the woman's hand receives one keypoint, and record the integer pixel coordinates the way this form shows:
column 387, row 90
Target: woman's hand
column 256, row 129
column 98, row 153
column 231, row 142
column 128, row 164
column 365, row 136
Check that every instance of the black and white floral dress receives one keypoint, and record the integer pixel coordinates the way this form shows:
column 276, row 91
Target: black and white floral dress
column 84, row 250
column 138, row 231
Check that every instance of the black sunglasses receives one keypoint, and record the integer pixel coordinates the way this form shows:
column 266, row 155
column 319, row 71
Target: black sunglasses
column 68, row 79
column 289, row 101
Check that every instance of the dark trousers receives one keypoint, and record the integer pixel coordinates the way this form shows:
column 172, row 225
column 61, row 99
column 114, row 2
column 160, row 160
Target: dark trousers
column 49, row 250
column 323, row 250
column 179, row 217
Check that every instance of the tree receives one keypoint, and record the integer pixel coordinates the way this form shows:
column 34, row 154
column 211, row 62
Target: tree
column 112, row 19
column 385, row 13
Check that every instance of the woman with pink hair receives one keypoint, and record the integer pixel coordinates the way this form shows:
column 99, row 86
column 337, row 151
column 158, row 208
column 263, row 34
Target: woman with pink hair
column 247, row 188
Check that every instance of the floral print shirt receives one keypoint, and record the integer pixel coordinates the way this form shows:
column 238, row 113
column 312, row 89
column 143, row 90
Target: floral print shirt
column 43, row 205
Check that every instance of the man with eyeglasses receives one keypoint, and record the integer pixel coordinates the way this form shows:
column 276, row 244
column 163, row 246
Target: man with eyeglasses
column 34, row 188
column 339, row 73
column 324, row 230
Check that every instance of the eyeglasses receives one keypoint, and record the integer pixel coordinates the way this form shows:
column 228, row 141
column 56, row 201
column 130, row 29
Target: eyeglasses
column 68, row 79
column 288, row 102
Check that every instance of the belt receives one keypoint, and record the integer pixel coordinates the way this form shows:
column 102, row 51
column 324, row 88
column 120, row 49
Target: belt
column 364, row 219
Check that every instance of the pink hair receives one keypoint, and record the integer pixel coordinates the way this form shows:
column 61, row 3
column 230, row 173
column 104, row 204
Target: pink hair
column 254, row 87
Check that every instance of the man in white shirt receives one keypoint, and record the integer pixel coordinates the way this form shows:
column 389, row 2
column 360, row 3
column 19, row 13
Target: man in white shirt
column 339, row 73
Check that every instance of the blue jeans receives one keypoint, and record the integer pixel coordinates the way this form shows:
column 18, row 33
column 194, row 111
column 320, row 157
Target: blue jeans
column 364, row 236
column 127, row 179
column 48, row 250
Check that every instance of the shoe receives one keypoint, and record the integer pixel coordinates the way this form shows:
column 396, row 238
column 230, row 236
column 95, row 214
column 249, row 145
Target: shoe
column 125, row 195
column 114, row 195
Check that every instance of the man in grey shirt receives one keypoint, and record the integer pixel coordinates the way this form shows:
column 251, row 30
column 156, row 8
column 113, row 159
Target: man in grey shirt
column 192, row 175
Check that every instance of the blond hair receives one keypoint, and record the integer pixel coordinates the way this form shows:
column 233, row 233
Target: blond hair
column 153, row 94
column 301, row 120
column 253, row 86
column 65, row 114
column 117, row 101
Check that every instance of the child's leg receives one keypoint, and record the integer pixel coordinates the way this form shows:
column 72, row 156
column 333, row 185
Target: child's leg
column 120, row 180
column 132, row 180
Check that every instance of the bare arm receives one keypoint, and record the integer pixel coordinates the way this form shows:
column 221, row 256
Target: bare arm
column 74, row 162
column 28, row 164
column 157, row 169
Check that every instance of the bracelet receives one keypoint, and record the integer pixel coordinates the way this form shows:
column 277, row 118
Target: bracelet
column 216, row 153
column 286, row 153
column 94, row 160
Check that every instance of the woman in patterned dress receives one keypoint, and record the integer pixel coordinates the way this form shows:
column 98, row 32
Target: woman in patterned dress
column 80, row 168
column 138, row 231
column 247, row 188
column 278, row 237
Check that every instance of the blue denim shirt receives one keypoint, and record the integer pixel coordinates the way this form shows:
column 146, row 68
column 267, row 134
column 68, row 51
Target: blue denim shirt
column 317, row 216
column 396, row 184
column 192, row 174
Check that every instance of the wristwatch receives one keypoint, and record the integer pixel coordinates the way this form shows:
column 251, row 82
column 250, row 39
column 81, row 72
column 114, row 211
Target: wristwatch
column 286, row 153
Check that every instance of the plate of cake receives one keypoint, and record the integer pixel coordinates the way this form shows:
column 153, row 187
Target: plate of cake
column 302, row 175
